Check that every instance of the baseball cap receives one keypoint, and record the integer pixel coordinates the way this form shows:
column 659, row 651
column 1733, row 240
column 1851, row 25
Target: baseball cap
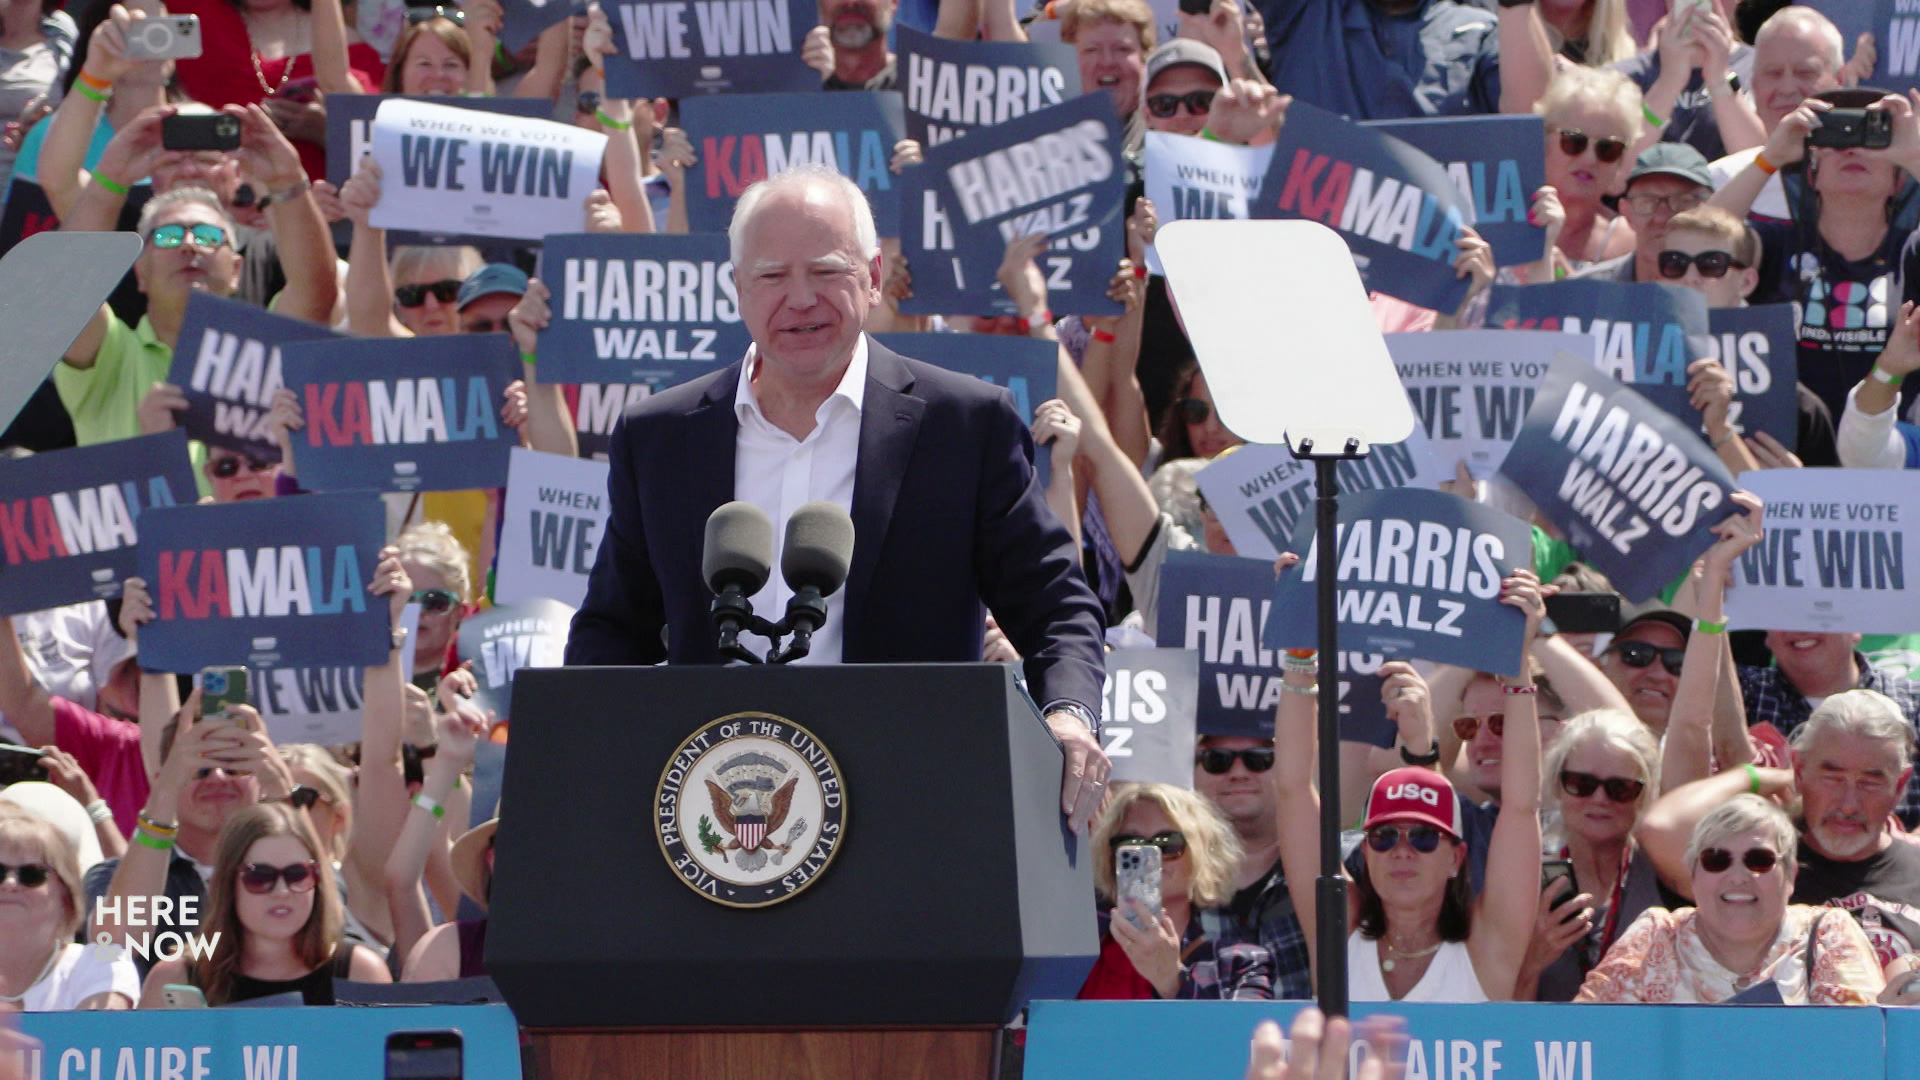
column 1412, row 793
column 1655, row 612
column 489, row 279
column 1185, row 51
column 1672, row 159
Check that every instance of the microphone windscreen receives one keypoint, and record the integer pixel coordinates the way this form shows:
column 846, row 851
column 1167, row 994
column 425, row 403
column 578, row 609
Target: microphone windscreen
column 739, row 548
column 819, row 547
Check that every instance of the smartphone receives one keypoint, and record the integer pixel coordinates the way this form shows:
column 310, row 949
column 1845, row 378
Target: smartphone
column 19, row 764
column 1561, row 870
column 220, row 689
column 200, row 131
column 165, row 37
column 424, row 1055
column 1136, row 873
column 304, row 90
column 1868, row 129
column 1584, row 612
column 175, row 996
column 1196, row 7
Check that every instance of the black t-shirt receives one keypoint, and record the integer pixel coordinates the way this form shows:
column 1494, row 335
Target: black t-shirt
column 1693, row 121
column 887, row 79
column 1882, row 891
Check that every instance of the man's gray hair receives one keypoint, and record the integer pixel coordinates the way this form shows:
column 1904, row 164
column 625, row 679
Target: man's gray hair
column 1746, row 813
column 1799, row 16
column 865, row 234
column 1868, row 714
column 191, row 193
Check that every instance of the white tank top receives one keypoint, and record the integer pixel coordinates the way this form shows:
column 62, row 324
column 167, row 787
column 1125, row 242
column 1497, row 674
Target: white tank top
column 1449, row 978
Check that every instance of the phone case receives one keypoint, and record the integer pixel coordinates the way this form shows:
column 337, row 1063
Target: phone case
column 1136, row 871
column 221, row 687
column 176, row 996
column 168, row 37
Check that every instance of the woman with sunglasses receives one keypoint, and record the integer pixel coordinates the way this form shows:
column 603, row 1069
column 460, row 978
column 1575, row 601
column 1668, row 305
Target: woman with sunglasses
column 42, row 906
column 1592, row 122
column 442, row 584
column 1192, row 427
column 1170, row 953
column 278, row 918
column 1742, row 935
column 1421, row 934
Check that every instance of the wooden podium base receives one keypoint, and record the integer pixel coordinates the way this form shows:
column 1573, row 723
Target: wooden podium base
column 830, row 1054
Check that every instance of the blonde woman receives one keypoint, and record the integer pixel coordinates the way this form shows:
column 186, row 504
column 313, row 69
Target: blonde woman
column 1592, row 125
column 42, row 905
column 1170, row 953
column 1590, row 32
column 443, row 587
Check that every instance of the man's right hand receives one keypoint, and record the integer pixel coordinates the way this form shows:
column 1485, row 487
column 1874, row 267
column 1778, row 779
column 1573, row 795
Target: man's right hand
column 361, row 193
column 107, row 50
column 156, row 408
column 817, row 51
column 132, row 153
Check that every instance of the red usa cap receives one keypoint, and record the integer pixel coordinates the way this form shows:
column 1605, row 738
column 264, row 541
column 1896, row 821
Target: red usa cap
column 1414, row 794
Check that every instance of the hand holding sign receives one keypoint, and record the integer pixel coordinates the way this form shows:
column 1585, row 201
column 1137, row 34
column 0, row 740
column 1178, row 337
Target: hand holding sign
column 1248, row 113
column 1409, row 704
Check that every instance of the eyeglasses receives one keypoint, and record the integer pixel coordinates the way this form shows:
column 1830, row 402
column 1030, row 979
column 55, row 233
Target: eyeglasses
column 1718, row 860
column 30, row 876
column 1639, row 654
column 423, row 14
column 1574, row 142
column 259, row 878
column 1172, row 845
column 1217, row 762
column 229, row 467
column 1645, row 205
column 1384, row 838
column 434, row 601
column 1581, row 785
column 1466, row 727
column 1712, row 264
column 415, row 295
column 203, row 236
column 1198, row 103
column 1193, row 410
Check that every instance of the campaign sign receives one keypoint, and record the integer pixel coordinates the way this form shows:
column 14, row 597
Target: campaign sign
column 1260, row 492
column 350, row 138
column 639, row 308
column 436, row 428
column 1496, row 161
column 1756, row 344
column 320, row 705
column 1635, row 490
column 1146, row 714
column 1189, row 177
column 267, row 582
column 1835, row 553
column 683, row 48
column 503, row 639
column 596, row 408
column 1057, row 171
column 1419, row 579
column 446, row 169
column 1397, row 208
column 741, row 139
column 1028, row 367
column 1470, row 390
column 1895, row 26
column 68, row 518
column 523, row 21
column 955, row 87
column 228, row 366
column 550, row 527
column 954, row 272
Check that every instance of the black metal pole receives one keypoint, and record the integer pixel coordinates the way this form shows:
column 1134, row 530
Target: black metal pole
column 1331, row 892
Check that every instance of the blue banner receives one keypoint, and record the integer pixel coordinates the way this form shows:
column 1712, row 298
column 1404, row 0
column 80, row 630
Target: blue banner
column 740, row 139
column 503, row 639
column 1635, row 490
column 1261, row 492
column 679, row 49
column 1498, row 162
column 523, row 21
column 597, row 407
column 264, row 1044
column 1057, row 171
column 1394, row 206
column 954, row 274
column 955, row 87
column 1028, row 367
column 437, row 428
column 639, row 308
column 69, row 518
column 1419, row 579
column 1757, row 345
column 271, row 582
column 228, row 366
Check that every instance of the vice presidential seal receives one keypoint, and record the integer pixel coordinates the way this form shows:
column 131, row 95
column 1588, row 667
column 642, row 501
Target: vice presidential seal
column 750, row 810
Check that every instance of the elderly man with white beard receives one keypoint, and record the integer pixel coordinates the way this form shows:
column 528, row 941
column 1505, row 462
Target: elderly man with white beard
column 849, row 47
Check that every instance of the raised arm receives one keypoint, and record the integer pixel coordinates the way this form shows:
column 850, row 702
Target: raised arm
column 458, row 730
column 1666, row 830
column 332, row 72
column 549, row 426
column 1581, row 684
column 159, row 691
column 1057, row 430
column 1868, row 437
column 369, row 278
column 1688, row 753
column 63, row 155
column 380, row 801
column 306, row 247
column 1503, row 921
column 1526, row 58
column 25, row 703
column 1787, row 145
column 1296, row 736
column 550, row 57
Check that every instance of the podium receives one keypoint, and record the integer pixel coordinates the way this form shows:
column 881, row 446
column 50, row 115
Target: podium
column 951, row 891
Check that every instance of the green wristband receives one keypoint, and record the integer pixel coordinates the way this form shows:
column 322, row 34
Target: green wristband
column 528, row 358
column 111, row 185
column 146, row 839
column 1705, row 627
column 89, row 92
column 1653, row 118
column 1753, row 778
column 608, row 121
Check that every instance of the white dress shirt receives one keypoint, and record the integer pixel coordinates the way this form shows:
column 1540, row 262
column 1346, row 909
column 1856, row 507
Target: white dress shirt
column 779, row 474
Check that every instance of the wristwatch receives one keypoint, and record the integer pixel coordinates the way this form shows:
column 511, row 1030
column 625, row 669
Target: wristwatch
column 1430, row 758
column 588, row 101
column 1077, row 709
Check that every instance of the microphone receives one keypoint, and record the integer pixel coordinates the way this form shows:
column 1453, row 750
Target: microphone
column 814, row 560
column 736, row 561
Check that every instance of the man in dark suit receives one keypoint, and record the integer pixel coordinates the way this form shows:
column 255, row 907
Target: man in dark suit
column 935, row 468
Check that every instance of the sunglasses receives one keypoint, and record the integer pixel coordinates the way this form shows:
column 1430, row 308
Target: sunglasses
column 1193, row 410
column 1172, row 845
column 1217, row 762
column 434, row 601
column 303, row 798
column 259, row 878
column 1198, row 102
column 1712, row 264
column 1620, row 789
column 30, row 875
column 1717, row 860
column 1384, row 838
column 422, row 14
column 229, row 467
column 1639, row 654
column 1574, row 142
column 415, row 295
column 204, row 236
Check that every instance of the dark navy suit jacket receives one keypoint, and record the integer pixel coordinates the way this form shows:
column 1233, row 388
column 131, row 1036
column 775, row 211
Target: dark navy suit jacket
column 947, row 514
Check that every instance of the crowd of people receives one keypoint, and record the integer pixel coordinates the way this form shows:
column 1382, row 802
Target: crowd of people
column 1730, row 817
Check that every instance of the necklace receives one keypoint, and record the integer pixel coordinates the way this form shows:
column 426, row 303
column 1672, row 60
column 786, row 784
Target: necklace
column 261, row 74
column 1389, row 963
column 58, row 951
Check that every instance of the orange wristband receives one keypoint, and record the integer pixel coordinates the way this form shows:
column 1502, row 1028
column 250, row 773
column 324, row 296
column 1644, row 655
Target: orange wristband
column 96, row 83
column 1760, row 162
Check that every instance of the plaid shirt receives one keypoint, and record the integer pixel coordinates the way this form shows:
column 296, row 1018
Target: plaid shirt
column 1211, row 969
column 1772, row 698
column 1269, row 922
